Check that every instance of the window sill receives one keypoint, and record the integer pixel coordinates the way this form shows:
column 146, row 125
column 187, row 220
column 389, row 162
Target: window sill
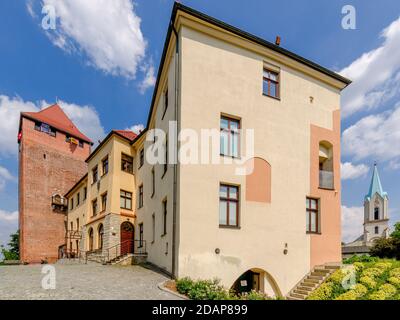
column 316, row 233
column 228, row 156
column 127, row 209
column 267, row 95
column 221, row 226
column 327, row 189
column 128, row 172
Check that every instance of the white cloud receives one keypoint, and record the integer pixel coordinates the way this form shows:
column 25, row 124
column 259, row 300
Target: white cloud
column 85, row 118
column 8, row 225
column 350, row 171
column 376, row 136
column 10, row 109
column 108, row 32
column 5, row 176
column 375, row 74
column 352, row 223
column 137, row 128
column 149, row 79
column 8, row 216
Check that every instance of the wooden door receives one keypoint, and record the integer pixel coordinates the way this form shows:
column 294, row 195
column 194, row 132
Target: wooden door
column 127, row 238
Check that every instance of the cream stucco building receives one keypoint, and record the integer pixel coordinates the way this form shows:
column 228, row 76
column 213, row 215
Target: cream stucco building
column 264, row 230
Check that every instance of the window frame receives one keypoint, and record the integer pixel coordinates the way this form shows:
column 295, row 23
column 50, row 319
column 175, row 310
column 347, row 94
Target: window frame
column 228, row 200
column 105, row 165
column 141, row 238
column 309, row 212
column 140, row 197
column 104, row 204
column 277, row 82
column 94, row 204
column 231, row 132
column 95, row 169
column 129, row 160
column 141, row 158
column 125, row 197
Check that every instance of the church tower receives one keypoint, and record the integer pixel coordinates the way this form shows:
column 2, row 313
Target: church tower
column 376, row 215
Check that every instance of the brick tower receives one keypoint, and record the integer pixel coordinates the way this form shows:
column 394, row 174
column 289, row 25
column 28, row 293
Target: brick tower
column 52, row 154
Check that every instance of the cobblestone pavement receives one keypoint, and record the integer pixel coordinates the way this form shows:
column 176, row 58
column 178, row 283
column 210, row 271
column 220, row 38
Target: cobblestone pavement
column 82, row 282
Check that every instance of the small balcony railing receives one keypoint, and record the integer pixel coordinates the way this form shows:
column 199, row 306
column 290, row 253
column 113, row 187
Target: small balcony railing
column 326, row 179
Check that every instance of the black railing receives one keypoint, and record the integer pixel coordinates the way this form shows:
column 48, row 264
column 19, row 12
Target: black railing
column 137, row 247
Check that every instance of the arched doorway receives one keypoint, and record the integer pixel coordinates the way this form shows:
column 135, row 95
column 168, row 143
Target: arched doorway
column 127, row 238
column 90, row 239
column 101, row 233
column 256, row 280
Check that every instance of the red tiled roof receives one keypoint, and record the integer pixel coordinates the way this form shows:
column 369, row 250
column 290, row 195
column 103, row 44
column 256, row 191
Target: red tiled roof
column 127, row 134
column 54, row 116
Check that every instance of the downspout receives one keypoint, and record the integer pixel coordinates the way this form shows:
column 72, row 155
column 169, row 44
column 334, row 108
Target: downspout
column 175, row 187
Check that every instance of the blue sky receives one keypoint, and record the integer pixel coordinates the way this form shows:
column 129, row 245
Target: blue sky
column 103, row 81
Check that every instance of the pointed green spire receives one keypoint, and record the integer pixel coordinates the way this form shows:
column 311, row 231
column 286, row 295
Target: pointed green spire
column 376, row 186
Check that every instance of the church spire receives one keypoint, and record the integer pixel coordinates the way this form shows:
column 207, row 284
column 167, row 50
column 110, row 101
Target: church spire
column 376, row 186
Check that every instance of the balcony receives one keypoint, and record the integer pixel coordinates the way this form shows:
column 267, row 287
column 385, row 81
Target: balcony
column 59, row 203
column 326, row 180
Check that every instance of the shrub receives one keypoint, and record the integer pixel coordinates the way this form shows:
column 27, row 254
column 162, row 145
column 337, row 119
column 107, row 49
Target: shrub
column 395, row 281
column 372, row 272
column 184, row 285
column 369, row 282
column 207, row 290
column 385, row 248
column 337, row 277
column 357, row 292
column 253, row 295
column 385, row 291
column 395, row 272
column 359, row 266
column 363, row 258
column 324, row 292
column 383, row 265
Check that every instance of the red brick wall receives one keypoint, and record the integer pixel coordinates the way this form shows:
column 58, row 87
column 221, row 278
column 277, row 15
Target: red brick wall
column 48, row 165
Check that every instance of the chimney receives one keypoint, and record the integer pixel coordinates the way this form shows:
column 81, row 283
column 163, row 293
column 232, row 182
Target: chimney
column 278, row 40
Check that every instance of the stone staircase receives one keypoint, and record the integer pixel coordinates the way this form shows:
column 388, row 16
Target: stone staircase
column 312, row 281
column 128, row 259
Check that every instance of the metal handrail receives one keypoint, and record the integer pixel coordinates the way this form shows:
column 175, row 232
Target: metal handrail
column 139, row 249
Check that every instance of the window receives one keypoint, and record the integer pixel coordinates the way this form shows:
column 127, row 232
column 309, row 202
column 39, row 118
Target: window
column 104, row 202
column 166, row 156
column 376, row 213
column 153, row 182
column 165, row 217
column 80, row 143
column 78, row 199
column 94, row 207
column 140, row 235
column 72, row 226
column 141, row 158
column 72, row 203
column 77, row 223
column 126, row 163
column 141, row 196
column 312, row 215
column 153, row 227
column 126, row 200
column 84, row 193
column 105, row 165
column 95, row 174
column 229, row 137
column 165, row 102
column 376, row 230
column 270, row 83
column 228, row 206
column 43, row 127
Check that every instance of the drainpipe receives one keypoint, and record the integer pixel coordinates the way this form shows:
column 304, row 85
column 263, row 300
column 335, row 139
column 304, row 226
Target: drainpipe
column 175, row 188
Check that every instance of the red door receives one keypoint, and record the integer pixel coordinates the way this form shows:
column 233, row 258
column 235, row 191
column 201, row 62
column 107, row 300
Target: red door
column 127, row 238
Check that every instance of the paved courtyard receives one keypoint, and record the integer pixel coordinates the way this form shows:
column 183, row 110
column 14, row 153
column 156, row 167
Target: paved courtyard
column 82, row 282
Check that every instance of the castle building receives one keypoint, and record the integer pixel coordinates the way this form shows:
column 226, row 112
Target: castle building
column 52, row 153
column 262, row 230
column 376, row 218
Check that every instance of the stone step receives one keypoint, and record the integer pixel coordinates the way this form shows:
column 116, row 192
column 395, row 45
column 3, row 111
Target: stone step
column 298, row 295
column 313, row 281
column 292, row 298
column 310, row 285
column 315, row 277
column 302, row 292
column 319, row 274
column 324, row 271
column 333, row 267
column 305, row 288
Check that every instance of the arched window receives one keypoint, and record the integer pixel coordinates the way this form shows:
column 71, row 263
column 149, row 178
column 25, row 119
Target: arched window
column 101, row 233
column 376, row 213
column 326, row 165
column 376, row 230
column 90, row 233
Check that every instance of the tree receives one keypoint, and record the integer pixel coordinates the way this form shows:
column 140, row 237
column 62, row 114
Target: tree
column 12, row 252
column 396, row 233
